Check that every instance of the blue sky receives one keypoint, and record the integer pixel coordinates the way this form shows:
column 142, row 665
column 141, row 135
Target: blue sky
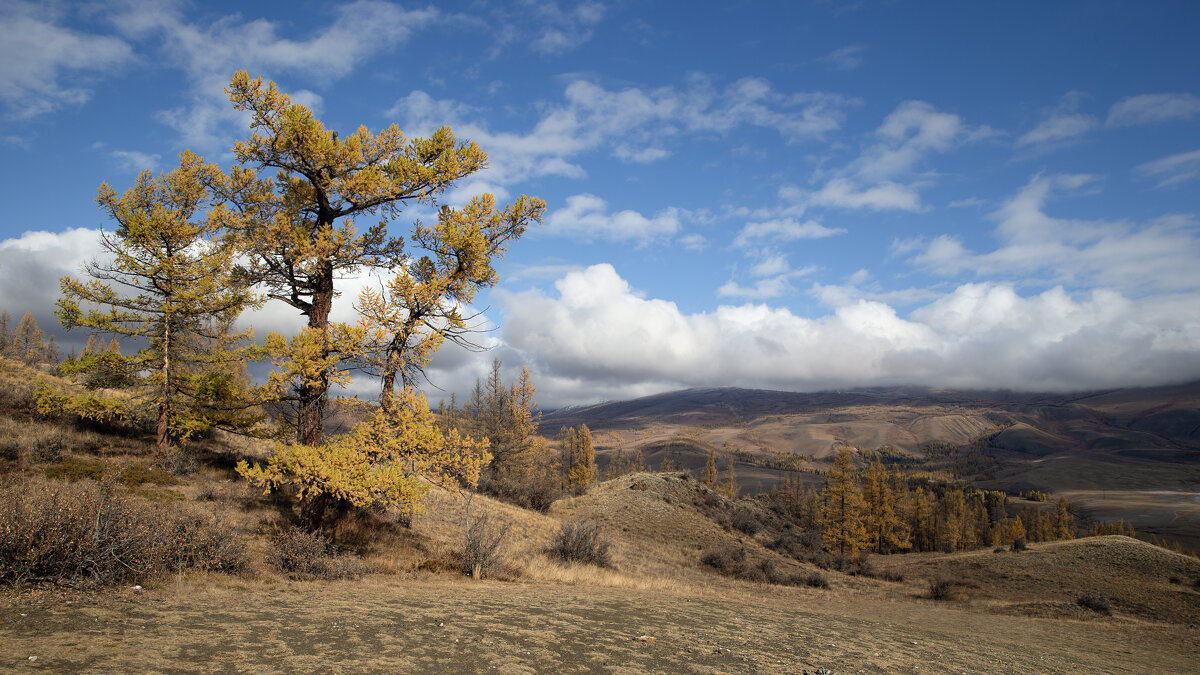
column 793, row 195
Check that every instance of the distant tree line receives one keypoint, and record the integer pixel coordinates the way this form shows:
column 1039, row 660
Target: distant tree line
column 25, row 341
column 880, row 510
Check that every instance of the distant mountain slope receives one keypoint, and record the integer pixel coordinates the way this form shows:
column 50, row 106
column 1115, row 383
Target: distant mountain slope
column 1142, row 443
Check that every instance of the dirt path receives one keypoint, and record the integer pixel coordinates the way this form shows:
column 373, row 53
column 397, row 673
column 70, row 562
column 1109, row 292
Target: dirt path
column 436, row 625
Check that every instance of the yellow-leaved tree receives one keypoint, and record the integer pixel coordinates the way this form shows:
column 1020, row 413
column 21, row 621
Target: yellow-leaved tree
column 382, row 460
column 167, row 283
column 296, row 231
column 842, row 516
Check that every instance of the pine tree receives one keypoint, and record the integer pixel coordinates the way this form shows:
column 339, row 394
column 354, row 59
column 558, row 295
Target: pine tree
column 583, row 468
column 169, row 276
column 29, row 342
column 886, row 532
column 297, row 232
column 6, row 340
column 731, row 484
column 421, row 305
column 710, row 477
column 842, row 517
column 1063, row 520
column 918, row 523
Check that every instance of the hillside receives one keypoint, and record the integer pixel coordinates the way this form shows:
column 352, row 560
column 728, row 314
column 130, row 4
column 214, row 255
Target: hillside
column 697, row 582
column 1128, row 453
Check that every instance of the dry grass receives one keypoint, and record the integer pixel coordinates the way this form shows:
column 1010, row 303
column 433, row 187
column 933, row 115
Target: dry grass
column 1049, row 577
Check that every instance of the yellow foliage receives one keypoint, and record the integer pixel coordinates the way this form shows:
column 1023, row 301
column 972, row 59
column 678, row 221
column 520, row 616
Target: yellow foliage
column 381, row 460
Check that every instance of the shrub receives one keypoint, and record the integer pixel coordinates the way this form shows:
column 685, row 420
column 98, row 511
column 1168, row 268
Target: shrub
column 999, row 549
column 745, row 520
column 726, row 560
column 87, row 531
column 1176, row 580
column 582, row 541
column 48, row 449
column 1019, row 544
column 1095, row 602
column 310, row 555
column 941, row 588
column 816, row 580
column 483, row 550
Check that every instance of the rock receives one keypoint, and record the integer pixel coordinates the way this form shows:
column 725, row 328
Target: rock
column 645, row 638
column 722, row 650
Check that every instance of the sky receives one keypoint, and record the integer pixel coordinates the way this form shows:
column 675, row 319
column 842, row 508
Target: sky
column 786, row 195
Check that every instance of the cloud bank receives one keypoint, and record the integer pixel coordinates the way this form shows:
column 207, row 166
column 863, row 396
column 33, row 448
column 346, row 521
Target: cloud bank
column 597, row 329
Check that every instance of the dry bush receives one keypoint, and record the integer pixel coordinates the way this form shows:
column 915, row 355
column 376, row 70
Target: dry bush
column 942, row 587
column 582, row 541
column 889, row 575
column 310, row 555
column 1095, row 602
column 732, row 562
column 483, row 553
column 88, row 531
column 745, row 520
column 816, row 580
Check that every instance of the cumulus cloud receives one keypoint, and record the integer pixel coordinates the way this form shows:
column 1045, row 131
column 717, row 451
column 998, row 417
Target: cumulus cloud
column 596, row 328
column 1037, row 247
column 1171, row 170
column 1152, row 109
column 44, row 65
column 586, row 217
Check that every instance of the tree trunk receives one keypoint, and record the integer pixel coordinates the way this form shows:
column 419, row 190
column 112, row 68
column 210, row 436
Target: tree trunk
column 314, row 394
column 389, row 388
column 164, row 407
column 312, row 511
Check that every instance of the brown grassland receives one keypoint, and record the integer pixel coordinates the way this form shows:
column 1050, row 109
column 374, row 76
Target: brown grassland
column 656, row 608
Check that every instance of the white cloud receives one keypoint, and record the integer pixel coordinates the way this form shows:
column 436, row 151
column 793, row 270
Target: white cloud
column 886, row 196
column 134, row 161
column 886, row 174
column 1171, row 170
column 1153, row 109
column 771, row 264
column 1039, row 248
column 761, row 290
column 563, row 31
column 784, row 230
column 845, row 58
column 45, row 66
column 586, row 217
column 209, row 53
column 694, row 242
column 1059, row 127
column 600, row 330
column 635, row 124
